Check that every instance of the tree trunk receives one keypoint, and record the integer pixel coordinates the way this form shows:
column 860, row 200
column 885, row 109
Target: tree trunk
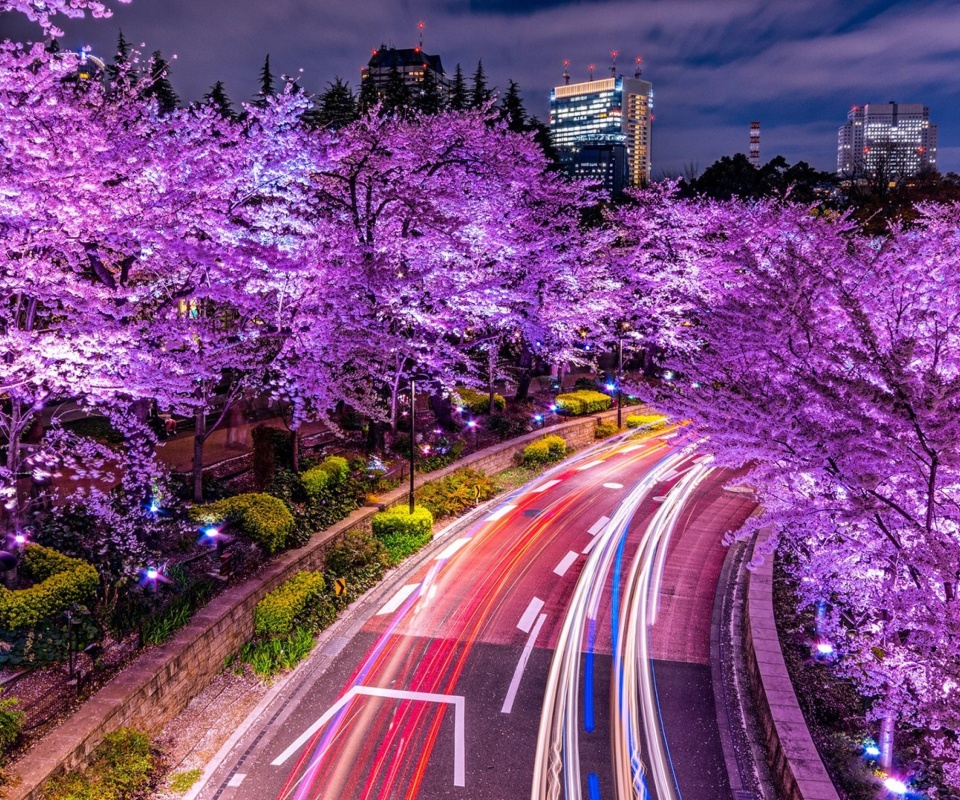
column 199, row 439
column 376, row 435
column 295, row 449
column 491, row 375
column 525, row 374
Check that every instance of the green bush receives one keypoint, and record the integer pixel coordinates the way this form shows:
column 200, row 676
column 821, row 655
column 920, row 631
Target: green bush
column 11, row 722
column 583, row 401
column 456, row 492
column 605, row 430
column 331, row 473
column 478, row 402
column 59, row 582
column 267, row 657
column 544, row 451
column 278, row 612
column 182, row 781
column 123, row 767
column 360, row 559
column 401, row 533
column 654, row 421
column 261, row 517
column 434, row 460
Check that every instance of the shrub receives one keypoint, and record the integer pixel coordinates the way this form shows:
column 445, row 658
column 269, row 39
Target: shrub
column 166, row 621
column 182, row 781
column 583, row 401
column 654, row 421
column 508, row 426
column 544, row 451
column 605, row 430
column 261, row 517
column 329, row 474
column 278, row 612
column 267, row 657
column 478, row 402
column 402, row 533
column 437, row 459
column 330, row 495
column 11, row 722
column 359, row 558
column 123, row 767
column 59, row 582
column 456, row 492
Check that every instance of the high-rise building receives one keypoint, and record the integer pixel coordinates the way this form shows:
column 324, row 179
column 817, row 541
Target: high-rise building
column 892, row 140
column 592, row 119
column 412, row 64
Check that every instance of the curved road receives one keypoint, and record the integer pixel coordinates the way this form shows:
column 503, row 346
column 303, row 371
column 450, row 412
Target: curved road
column 441, row 691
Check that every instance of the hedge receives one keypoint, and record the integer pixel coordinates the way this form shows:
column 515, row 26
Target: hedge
column 278, row 612
column 479, row 402
column 456, row 492
column 262, row 517
column 401, row 533
column 59, row 582
column 124, row 766
column 583, row 401
column 544, row 451
column 640, row 420
column 605, row 430
column 11, row 722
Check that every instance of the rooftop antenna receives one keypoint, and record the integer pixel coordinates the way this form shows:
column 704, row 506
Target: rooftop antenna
column 420, row 28
column 591, row 72
column 639, row 67
column 755, row 144
column 613, row 67
column 566, row 72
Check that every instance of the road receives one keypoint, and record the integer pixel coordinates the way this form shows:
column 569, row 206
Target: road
column 487, row 668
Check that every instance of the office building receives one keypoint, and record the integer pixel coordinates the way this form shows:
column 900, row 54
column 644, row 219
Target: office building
column 589, row 121
column 892, row 140
column 412, row 64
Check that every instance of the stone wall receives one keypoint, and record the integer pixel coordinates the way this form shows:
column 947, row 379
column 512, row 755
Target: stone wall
column 161, row 681
column 798, row 773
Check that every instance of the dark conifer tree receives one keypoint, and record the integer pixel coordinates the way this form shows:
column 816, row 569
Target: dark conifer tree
column 369, row 95
column 266, row 83
column 120, row 69
column 458, row 92
column 396, row 93
column 334, row 108
column 159, row 86
column 217, row 96
column 481, row 93
column 511, row 109
column 428, row 99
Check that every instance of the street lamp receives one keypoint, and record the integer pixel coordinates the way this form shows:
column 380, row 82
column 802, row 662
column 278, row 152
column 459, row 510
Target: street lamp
column 621, row 329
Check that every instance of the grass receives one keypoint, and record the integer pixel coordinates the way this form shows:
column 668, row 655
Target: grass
column 182, row 781
column 269, row 657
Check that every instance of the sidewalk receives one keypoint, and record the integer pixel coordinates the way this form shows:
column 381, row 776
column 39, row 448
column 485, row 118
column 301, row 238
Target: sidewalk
column 177, row 453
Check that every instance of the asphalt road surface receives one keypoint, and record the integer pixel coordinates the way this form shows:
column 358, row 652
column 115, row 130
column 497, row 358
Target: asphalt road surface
column 440, row 690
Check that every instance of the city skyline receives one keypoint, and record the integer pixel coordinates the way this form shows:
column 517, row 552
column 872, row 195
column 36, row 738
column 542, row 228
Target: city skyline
column 796, row 68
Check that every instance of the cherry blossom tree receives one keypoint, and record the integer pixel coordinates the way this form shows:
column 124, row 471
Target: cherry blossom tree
column 43, row 11
column 831, row 361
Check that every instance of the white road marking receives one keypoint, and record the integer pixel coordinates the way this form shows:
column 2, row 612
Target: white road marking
column 591, row 544
column 547, row 485
column 564, row 565
column 631, row 448
column 588, row 466
column 500, row 512
column 526, row 621
column 397, row 600
column 521, row 666
column 450, row 549
column 613, row 486
column 598, row 526
column 237, row 779
column 459, row 724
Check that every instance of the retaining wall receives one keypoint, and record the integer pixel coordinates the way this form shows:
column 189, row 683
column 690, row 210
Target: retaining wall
column 159, row 683
column 797, row 771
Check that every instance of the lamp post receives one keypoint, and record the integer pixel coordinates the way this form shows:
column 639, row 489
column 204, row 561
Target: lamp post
column 413, row 435
column 620, row 379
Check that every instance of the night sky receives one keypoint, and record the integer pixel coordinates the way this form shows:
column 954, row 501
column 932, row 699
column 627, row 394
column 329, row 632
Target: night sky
column 715, row 65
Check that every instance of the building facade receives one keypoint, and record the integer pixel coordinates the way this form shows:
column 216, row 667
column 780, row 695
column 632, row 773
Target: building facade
column 412, row 64
column 601, row 122
column 893, row 140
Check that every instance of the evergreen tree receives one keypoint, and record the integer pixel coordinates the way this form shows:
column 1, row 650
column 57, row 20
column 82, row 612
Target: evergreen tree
column 159, row 86
column 512, row 111
column 369, row 95
column 120, row 69
column 266, row 83
column 334, row 108
column 217, row 97
column 458, row 92
column 396, row 93
column 429, row 98
column 481, row 93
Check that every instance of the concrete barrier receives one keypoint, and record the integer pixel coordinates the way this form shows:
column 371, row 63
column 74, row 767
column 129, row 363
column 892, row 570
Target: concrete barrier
column 161, row 681
column 796, row 768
